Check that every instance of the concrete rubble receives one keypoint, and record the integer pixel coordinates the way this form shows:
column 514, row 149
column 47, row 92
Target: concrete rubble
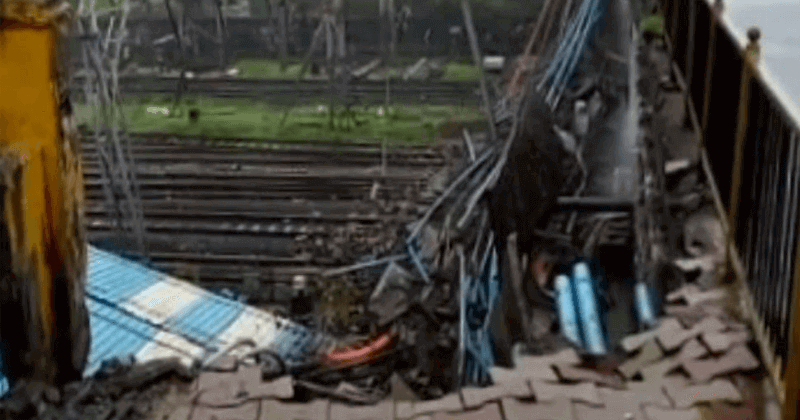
column 406, row 327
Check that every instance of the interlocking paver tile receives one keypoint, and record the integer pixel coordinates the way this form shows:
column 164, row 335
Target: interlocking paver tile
column 475, row 397
column 541, row 367
column 489, row 411
column 450, row 402
column 314, row 410
column 636, row 341
column 722, row 341
column 502, row 375
column 587, row 412
column 692, row 350
column 586, row 392
column 576, row 374
column 658, row 413
column 380, row 411
column 739, row 358
column 671, row 340
column 558, row 409
column 246, row 411
column 650, row 353
column 718, row 390
column 712, row 295
column 632, row 401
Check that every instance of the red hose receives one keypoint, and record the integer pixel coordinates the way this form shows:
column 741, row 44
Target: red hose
column 361, row 354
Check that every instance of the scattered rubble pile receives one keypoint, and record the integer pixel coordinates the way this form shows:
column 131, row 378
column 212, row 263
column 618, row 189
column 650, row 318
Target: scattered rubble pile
column 119, row 390
column 697, row 359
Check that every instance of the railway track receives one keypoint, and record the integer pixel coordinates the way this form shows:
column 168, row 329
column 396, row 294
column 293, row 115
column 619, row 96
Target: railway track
column 431, row 92
column 220, row 212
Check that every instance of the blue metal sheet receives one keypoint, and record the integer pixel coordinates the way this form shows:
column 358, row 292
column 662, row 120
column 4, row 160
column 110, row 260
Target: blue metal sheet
column 206, row 318
column 114, row 334
column 116, row 279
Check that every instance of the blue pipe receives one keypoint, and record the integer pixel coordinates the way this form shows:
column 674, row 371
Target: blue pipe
column 644, row 304
column 567, row 317
column 594, row 336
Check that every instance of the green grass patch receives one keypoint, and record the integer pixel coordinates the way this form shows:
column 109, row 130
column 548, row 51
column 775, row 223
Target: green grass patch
column 265, row 69
column 653, row 25
column 459, row 72
column 221, row 118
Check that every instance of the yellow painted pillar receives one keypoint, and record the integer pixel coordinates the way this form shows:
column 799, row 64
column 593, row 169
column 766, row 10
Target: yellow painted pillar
column 42, row 310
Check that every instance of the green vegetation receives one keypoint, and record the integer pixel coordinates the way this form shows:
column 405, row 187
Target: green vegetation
column 243, row 119
column 458, row 72
column 266, row 69
column 653, row 25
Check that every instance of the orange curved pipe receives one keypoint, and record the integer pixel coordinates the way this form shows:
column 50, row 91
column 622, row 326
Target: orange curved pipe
column 359, row 355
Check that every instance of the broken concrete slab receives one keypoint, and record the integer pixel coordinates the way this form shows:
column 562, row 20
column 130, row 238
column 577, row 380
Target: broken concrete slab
column 490, row 411
column 225, row 363
column 703, row 235
column 677, row 165
column 718, row 390
column 255, row 388
column 712, row 295
column 380, row 411
column 314, row 410
column 650, row 353
column 722, row 341
column 689, row 316
column 558, row 409
column 574, row 374
column 476, row 397
column 658, row 413
column 679, row 294
column 218, row 389
column 448, row 403
column 246, row 411
column 710, row 267
column 738, row 359
column 586, row 392
column 671, row 340
column 403, row 410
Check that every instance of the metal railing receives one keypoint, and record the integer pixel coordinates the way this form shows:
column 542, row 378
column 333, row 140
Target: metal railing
column 752, row 150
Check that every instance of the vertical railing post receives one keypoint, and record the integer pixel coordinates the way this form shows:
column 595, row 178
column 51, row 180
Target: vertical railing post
column 687, row 121
column 673, row 31
column 749, row 61
column 791, row 382
column 712, row 51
